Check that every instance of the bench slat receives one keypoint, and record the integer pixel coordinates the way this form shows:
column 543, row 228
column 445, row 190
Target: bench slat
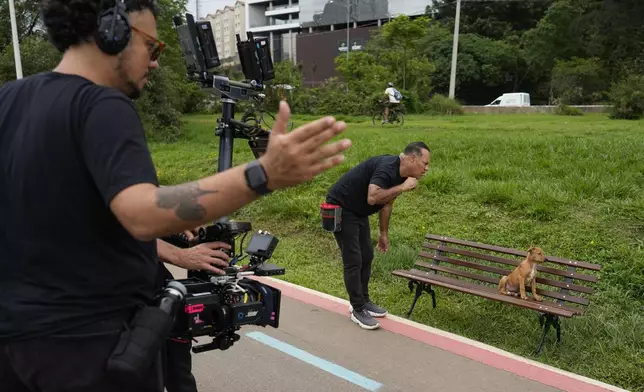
column 481, row 291
column 497, row 259
column 495, row 281
column 516, row 252
column 501, row 271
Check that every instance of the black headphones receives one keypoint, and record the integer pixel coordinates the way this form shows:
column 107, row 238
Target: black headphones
column 113, row 29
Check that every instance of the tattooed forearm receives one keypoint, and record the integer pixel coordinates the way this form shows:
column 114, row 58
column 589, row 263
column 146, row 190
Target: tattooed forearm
column 184, row 200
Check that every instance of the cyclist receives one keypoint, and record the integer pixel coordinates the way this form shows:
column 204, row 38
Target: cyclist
column 394, row 96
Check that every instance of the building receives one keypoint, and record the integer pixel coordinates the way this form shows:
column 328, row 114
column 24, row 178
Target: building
column 318, row 51
column 277, row 20
column 226, row 24
column 313, row 32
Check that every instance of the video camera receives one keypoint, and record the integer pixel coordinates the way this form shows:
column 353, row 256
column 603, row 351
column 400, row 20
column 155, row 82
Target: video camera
column 219, row 305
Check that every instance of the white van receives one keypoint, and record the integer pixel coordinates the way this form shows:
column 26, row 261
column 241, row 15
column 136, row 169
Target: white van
column 512, row 99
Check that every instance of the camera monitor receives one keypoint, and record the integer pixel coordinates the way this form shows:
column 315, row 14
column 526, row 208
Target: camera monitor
column 264, row 54
column 198, row 44
column 208, row 46
column 255, row 58
column 192, row 56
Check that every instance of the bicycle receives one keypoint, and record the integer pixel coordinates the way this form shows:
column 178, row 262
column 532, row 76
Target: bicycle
column 250, row 117
column 395, row 117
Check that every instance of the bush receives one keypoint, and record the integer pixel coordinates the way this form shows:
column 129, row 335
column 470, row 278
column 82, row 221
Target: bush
column 442, row 105
column 627, row 98
column 195, row 99
column 565, row 110
column 332, row 98
column 411, row 101
column 579, row 81
column 160, row 105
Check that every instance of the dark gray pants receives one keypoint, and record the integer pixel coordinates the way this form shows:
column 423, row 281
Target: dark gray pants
column 354, row 241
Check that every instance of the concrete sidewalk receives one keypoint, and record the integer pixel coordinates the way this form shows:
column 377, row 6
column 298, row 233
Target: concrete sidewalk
column 375, row 360
column 318, row 348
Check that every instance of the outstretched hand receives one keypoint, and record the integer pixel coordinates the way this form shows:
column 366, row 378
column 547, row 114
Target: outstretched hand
column 296, row 157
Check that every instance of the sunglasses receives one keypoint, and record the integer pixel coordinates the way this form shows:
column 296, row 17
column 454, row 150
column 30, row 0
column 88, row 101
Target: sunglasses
column 156, row 48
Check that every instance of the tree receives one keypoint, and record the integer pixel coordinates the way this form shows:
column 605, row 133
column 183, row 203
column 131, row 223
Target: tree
column 485, row 66
column 36, row 53
column 363, row 72
column 579, row 81
column 402, row 37
column 27, row 19
column 627, row 97
column 286, row 74
column 494, row 20
column 168, row 90
column 615, row 34
column 393, row 54
column 556, row 36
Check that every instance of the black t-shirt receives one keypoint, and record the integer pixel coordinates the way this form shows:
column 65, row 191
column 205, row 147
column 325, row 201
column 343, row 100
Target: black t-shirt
column 351, row 190
column 67, row 147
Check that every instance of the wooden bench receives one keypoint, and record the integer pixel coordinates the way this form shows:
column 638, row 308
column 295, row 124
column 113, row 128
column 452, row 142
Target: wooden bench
column 476, row 268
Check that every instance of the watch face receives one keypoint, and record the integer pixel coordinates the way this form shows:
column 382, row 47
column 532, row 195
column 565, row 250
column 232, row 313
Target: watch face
column 256, row 178
column 257, row 175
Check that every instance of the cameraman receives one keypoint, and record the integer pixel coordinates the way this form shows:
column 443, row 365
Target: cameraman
column 206, row 256
column 74, row 159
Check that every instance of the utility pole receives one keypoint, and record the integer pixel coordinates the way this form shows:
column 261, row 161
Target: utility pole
column 348, row 44
column 452, row 79
column 16, row 44
column 348, row 15
column 197, row 13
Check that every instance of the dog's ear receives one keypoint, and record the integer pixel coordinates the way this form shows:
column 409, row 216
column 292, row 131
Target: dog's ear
column 531, row 248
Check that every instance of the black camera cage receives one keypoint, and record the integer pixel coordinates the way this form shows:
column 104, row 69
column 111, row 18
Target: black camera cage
column 201, row 55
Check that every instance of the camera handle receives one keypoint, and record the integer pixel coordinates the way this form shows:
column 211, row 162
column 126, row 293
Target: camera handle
column 226, row 134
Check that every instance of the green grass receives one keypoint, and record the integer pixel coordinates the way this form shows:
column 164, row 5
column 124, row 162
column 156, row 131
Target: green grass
column 570, row 185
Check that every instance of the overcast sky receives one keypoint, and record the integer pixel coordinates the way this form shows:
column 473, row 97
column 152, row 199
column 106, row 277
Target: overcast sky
column 207, row 6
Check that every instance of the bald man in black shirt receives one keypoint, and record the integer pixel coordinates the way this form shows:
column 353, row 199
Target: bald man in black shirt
column 370, row 187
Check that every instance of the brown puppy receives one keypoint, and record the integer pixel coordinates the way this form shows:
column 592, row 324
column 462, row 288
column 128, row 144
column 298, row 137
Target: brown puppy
column 524, row 274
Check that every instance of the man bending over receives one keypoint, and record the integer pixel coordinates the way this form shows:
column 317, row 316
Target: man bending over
column 370, row 187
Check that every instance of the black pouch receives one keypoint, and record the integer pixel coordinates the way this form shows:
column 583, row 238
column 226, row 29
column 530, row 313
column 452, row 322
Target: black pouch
column 140, row 343
column 331, row 217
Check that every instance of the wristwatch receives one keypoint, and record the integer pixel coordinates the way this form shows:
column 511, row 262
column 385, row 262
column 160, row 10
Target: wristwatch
column 256, row 178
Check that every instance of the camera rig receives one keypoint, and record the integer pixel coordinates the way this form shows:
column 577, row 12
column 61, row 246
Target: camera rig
column 210, row 304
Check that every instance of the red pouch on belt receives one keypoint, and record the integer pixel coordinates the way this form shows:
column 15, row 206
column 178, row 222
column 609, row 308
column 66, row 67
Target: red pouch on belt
column 331, row 217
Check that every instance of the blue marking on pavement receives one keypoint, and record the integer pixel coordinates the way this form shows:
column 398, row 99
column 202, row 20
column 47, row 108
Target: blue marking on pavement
column 320, row 363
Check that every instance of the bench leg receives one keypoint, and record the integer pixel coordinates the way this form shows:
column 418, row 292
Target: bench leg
column 558, row 328
column 550, row 320
column 420, row 287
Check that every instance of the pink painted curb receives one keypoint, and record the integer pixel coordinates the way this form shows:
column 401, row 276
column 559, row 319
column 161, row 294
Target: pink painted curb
column 456, row 344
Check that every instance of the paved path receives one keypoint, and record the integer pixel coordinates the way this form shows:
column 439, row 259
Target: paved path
column 318, row 348
column 375, row 360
